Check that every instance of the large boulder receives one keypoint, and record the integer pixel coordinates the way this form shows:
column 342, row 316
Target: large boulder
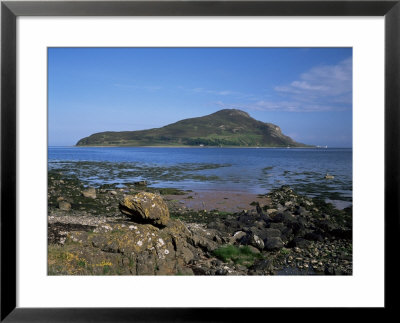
column 124, row 249
column 269, row 233
column 146, row 207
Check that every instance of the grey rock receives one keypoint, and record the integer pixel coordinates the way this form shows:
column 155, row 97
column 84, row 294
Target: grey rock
column 253, row 240
column 221, row 271
column 269, row 233
column 202, row 242
column 263, row 266
column 273, row 243
column 278, row 226
column 253, row 249
column 218, row 225
column 285, row 217
column 271, row 211
column 314, row 236
column 299, row 242
column 237, row 236
column 301, row 211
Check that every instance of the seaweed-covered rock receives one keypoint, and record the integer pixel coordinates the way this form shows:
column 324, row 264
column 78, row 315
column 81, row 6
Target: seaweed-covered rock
column 146, row 207
column 140, row 183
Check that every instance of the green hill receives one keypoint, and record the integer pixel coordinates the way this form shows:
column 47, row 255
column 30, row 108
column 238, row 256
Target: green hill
column 228, row 127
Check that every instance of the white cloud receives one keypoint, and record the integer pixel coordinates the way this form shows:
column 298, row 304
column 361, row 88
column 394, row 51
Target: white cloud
column 322, row 85
column 291, row 106
column 322, row 88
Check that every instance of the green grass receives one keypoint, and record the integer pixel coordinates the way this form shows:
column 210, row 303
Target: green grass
column 284, row 251
column 239, row 255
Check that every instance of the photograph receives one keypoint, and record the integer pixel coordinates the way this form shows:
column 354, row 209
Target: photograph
column 200, row 161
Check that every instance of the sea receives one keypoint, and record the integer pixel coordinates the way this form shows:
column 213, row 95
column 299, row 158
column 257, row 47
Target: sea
column 250, row 170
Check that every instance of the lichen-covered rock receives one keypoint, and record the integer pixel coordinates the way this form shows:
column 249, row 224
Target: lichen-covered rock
column 125, row 248
column 206, row 239
column 146, row 207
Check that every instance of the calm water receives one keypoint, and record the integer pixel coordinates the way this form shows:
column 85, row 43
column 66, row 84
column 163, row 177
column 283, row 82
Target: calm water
column 247, row 170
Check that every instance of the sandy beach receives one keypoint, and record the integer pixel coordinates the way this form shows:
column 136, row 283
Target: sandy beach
column 223, row 201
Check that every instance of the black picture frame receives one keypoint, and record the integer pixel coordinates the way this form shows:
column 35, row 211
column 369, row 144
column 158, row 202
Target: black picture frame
column 10, row 10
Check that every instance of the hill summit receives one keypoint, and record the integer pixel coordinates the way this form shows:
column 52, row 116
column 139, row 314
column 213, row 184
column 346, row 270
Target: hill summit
column 224, row 128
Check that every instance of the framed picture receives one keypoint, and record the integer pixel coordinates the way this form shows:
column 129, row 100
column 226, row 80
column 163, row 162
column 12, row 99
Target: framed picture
column 308, row 90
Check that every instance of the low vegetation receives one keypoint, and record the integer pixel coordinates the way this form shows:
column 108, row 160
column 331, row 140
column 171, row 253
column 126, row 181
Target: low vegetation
column 242, row 255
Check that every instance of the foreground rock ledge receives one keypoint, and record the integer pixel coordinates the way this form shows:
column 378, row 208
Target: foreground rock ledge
column 129, row 249
column 292, row 232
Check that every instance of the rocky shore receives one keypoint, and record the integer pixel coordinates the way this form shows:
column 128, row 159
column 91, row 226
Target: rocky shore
column 139, row 230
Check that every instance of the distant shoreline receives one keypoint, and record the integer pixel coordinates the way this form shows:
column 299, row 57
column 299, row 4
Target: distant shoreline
column 197, row 147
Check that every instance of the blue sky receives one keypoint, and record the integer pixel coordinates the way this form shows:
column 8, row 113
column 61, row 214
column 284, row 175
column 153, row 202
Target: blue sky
column 305, row 91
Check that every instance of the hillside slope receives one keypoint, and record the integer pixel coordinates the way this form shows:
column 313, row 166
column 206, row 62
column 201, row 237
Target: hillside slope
column 228, row 127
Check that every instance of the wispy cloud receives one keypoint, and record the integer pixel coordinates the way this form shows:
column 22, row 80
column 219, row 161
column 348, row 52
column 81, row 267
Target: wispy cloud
column 217, row 92
column 324, row 85
column 139, row 87
column 291, row 106
column 227, row 94
column 322, row 88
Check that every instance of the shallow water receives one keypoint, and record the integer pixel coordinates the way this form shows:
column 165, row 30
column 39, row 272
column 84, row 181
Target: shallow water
column 247, row 170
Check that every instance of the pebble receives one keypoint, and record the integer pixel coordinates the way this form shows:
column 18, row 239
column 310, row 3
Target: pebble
column 65, row 206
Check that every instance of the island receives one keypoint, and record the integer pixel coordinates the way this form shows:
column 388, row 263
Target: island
column 224, row 128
